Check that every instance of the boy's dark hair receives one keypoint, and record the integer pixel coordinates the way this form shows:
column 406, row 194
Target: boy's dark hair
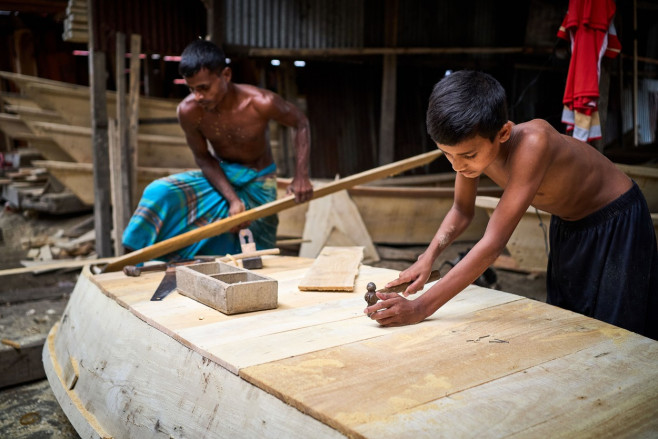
column 465, row 104
column 201, row 54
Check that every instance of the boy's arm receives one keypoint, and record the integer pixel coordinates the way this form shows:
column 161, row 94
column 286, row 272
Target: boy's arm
column 454, row 223
column 275, row 107
column 525, row 177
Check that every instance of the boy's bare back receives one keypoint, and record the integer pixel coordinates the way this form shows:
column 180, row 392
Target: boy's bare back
column 575, row 179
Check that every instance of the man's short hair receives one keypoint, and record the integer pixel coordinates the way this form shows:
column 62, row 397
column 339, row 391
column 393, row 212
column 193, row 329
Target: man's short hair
column 465, row 104
column 201, row 54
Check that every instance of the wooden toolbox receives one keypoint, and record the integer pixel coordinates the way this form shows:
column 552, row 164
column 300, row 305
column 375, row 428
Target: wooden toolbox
column 226, row 288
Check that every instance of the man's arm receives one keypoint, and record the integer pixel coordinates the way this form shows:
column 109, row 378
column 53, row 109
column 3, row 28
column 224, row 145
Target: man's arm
column 206, row 162
column 275, row 107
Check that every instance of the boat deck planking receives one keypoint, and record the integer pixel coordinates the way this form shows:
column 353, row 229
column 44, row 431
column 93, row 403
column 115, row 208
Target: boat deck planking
column 487, row 364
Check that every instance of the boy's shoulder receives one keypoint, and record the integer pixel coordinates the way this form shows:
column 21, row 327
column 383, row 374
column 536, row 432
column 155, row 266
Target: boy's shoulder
column 532, row 130
column 533, row 138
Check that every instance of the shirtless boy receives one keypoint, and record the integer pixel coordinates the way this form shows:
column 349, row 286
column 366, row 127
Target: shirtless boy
column 225, row 125
column 603, row 259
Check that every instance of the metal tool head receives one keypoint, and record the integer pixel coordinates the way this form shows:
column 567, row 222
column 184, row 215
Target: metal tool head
column 248, row 245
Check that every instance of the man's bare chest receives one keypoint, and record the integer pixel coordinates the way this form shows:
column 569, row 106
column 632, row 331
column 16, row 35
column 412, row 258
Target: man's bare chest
column 232, row 130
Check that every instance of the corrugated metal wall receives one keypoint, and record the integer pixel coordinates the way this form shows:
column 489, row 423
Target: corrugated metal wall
column 166, row 26
column 294, row 23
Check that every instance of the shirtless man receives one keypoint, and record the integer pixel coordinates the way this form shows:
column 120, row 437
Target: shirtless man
column 603, row 261
column 225, row 125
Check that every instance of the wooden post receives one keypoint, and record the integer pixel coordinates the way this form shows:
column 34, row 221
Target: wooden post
column 216, row 19
column 387, row 115
column 118, row 185
column 389, row 87
column 289, row 94
column 122, row 175
column 97, row 78
column 133, row 114
column 25, row 63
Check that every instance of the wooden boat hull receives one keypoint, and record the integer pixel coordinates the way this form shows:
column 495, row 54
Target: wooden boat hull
column 114, row 375
column 121, row 365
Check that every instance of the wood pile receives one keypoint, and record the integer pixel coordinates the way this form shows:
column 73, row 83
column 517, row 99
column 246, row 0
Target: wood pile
column 76, row 242
column 32, row 188
column 76, row 26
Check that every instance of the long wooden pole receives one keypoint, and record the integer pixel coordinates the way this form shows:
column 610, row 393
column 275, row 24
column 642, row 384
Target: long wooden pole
column 224, row 225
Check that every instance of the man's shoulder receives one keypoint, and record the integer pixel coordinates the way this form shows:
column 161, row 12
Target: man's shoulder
column 188, row 106
column 248, row 90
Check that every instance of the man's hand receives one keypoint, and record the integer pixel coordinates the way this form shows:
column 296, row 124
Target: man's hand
column 418, row 274
column 395, row 310
column 302, row 188
column 236, row 207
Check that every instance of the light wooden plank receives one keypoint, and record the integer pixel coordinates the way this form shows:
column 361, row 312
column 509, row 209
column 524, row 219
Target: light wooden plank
column 344, row 326
column 608, row 390
column 177, row 313
column 334, row 270
column 418, row 364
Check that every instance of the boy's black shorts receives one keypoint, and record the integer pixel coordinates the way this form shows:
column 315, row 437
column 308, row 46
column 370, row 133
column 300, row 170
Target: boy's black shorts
column 605, row 265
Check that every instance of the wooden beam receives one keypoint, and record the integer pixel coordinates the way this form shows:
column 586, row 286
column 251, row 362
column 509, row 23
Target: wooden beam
column 224, row 225
column 373, row 51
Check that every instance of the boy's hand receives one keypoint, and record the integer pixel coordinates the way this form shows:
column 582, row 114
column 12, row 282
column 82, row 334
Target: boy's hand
column 418, row 274
column 394, row 310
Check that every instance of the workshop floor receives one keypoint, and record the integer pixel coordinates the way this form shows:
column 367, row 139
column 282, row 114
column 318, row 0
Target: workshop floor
column 30, row 304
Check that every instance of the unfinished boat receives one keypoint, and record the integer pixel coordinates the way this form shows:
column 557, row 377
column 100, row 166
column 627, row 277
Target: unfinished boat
column 488, row 363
